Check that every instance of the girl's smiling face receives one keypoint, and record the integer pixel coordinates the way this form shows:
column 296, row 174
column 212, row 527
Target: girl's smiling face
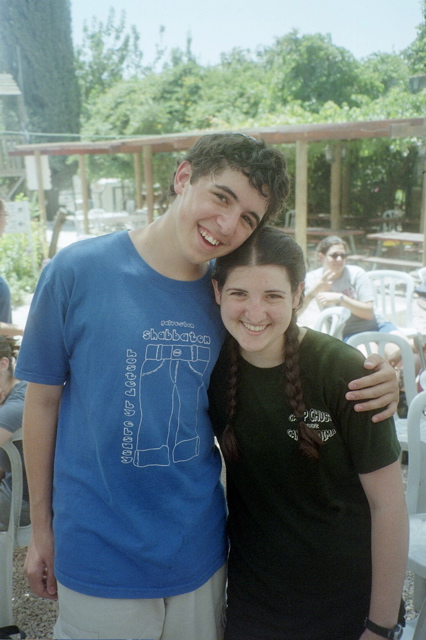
column 257, row 304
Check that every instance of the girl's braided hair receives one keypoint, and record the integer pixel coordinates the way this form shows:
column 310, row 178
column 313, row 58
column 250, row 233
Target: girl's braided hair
column 268, row 246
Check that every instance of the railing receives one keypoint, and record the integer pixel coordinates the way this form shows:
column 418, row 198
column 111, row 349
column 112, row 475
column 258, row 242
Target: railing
column 11, row 167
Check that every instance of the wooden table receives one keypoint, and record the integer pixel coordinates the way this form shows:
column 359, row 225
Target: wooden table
column 322, row 232
column 398, row 237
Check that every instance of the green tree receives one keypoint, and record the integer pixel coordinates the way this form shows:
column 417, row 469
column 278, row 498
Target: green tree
column 310, row 69
column 416, row 53
column 107, row 55
column 231, row 92
column 155, row 104
column 380, row 72
column 36, row 48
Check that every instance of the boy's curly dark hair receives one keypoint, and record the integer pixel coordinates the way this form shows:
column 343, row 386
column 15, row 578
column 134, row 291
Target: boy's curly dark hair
column 265, row 166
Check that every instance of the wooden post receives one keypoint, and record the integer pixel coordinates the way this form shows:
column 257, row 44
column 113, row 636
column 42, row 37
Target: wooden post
column 149, row 181
column 84, row 192
column 423, row 210
column 138, row 179
column 336, row 166
column 346, row 183
column 41, row 201
column 301, row 194
column 40, row 183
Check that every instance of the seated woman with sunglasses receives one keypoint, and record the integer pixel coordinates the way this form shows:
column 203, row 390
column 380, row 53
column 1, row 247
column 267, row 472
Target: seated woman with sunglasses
column 336, row 283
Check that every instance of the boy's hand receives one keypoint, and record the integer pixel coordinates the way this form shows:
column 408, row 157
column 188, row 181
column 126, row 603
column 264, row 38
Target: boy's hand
column 379, row 389
column 39, row 566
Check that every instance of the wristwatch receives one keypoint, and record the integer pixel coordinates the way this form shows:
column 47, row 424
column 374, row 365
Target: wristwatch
column 391, row 634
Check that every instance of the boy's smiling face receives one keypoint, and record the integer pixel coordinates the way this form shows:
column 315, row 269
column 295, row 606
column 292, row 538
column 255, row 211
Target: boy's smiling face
column 216, row 213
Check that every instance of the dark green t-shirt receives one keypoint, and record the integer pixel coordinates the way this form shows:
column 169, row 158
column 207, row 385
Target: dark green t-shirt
column 300, row 530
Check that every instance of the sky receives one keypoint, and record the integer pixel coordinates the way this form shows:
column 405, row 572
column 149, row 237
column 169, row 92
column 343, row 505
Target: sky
column 361, row 26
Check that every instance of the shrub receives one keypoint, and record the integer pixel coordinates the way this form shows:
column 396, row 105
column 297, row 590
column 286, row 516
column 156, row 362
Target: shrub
column 20, row 260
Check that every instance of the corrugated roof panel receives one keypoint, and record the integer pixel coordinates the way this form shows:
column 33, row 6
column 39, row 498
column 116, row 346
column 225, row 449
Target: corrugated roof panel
column 8, row 86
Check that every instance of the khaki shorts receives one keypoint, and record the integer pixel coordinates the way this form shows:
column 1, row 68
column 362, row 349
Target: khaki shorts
column 197, row 615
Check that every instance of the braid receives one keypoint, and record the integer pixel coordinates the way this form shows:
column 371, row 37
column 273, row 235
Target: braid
column 309, row 440
column 228, row 442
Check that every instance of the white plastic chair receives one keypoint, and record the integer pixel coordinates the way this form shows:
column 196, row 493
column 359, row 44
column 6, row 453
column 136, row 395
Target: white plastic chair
column 393, row 293
column 376, row 341
column 15, row 536
column 331, row 320
column 422, row 274
column 290, row 218
column 416, row 482
column 416, row 629
column 392, row 220
column 421, row 299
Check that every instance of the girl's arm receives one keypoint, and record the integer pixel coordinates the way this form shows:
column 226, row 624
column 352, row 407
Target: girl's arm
column 389, row 544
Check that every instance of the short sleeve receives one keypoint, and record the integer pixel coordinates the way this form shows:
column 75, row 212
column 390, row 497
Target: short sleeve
column 43, row 356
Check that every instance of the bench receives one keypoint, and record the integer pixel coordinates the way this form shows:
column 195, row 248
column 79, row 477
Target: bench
column 395, row 262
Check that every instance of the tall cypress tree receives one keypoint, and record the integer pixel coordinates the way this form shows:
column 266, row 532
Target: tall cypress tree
column 36, row 48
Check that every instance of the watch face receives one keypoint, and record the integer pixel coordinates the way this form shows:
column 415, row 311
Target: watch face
column 397, row 634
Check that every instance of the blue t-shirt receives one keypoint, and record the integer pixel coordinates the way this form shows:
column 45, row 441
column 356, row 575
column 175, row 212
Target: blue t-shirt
column 139, row 510
column 5, row 303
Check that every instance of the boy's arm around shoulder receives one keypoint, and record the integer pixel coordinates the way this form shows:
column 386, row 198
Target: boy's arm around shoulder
column 41, row 412
column 373, row 391
column 377, row 390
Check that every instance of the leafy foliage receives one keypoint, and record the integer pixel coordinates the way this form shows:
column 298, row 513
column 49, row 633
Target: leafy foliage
column 20, row 260
column 106, row 56
column 416, row 53
column 310, row 69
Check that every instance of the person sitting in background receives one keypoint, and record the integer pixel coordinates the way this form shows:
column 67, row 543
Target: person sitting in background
column 12, row 396
column 336, row 283
column 6, row 326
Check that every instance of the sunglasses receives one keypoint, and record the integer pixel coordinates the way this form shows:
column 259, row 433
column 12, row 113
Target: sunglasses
column 336, row 255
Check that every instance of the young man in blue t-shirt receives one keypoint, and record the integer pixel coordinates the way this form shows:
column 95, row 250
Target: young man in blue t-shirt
column 119, row 346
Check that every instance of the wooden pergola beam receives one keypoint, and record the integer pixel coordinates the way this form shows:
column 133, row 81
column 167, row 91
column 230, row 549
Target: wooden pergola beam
column 398, row 128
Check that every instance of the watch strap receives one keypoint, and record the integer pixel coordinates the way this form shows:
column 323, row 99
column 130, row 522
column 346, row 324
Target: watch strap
column 384, row 632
